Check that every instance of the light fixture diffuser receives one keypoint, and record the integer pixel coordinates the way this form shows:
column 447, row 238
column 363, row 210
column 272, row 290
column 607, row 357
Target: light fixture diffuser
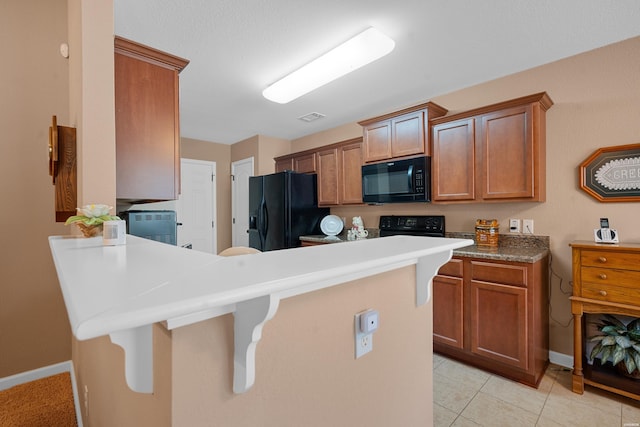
column 362, row 49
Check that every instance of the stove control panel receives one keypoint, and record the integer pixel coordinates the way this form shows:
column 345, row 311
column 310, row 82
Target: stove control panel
column 418, row 225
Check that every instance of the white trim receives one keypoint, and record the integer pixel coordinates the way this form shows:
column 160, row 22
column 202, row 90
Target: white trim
column 235, row 195
column 561, row 359
column 44, row 372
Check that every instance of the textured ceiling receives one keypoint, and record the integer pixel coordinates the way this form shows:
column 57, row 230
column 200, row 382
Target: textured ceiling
column 237, row 48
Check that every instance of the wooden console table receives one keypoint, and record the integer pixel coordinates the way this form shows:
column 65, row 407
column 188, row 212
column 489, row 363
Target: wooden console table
column 606, row 279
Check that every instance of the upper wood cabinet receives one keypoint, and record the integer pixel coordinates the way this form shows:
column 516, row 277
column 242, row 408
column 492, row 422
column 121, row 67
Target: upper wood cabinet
column 399, row 134
column 147, row 122
column 340, row 173
column 303, row 162
column 493, row 153
column 339, row 169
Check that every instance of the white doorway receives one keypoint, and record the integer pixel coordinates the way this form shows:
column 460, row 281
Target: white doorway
column 196, row 206
column 241, row 170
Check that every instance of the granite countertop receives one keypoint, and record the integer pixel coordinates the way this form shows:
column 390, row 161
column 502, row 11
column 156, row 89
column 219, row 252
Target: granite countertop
column 516, row 248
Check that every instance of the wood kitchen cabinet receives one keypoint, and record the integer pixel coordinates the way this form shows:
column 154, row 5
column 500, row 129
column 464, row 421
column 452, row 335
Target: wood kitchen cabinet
column 303, row 162
column 493, row 153
column 605, row 280
column 340, row 173
column 399, row 134
column 339, row 169
column 493, row 315
column 147, row 122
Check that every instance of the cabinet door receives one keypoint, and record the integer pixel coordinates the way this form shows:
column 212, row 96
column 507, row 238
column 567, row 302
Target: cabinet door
column 328, row 177
column 377, row 141
column 448, row 310
column 453, row 161
column 284, row 164
column 305, row 163
column 498, row 322
column 350, row 174
column 407, row 134
column 147, row 149
column 507, row 168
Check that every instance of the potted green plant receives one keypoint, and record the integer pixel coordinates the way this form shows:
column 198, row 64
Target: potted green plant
column 619, row 343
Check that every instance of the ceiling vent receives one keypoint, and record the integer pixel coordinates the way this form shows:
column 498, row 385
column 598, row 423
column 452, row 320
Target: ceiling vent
column 311, row 117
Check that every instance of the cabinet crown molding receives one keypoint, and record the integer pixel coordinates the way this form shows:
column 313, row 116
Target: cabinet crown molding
column 435, row 110
column 136, row 50
column 542, row 98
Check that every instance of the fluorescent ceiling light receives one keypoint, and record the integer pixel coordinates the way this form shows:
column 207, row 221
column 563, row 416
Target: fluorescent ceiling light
column 364, row 48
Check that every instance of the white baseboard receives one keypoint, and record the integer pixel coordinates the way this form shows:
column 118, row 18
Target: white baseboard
column 561, row 359
column 46, row 371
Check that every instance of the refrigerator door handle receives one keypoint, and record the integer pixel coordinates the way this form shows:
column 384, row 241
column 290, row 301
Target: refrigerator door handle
column 265, row 220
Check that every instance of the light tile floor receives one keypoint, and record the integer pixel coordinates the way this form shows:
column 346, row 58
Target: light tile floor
column 466, row 396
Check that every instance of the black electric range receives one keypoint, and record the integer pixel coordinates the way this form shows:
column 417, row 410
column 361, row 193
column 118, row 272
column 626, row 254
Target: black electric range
column 413, row 225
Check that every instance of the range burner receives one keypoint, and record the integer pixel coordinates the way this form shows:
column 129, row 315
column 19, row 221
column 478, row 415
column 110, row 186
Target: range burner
column 415, row 225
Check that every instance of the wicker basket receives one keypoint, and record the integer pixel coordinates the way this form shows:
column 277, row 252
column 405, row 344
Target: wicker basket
column 90, row 230
column 487, row 232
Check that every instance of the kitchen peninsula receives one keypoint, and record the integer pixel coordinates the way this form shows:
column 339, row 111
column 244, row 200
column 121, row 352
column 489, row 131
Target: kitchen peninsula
column 125, row 291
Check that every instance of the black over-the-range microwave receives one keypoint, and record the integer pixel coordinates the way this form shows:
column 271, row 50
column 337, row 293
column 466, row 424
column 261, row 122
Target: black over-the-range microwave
column 406, row 180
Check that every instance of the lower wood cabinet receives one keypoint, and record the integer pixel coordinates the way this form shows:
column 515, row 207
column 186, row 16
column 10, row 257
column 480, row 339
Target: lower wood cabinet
column 493, row 315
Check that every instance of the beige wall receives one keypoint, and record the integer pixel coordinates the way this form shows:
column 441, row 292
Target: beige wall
column 263, row 149
column 34, row 330
column 306, row 373
column 597, row 104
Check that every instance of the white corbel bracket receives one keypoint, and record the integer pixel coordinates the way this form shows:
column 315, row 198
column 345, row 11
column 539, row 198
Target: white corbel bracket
column 137, row 344
column 249, row 318
column 426, row 269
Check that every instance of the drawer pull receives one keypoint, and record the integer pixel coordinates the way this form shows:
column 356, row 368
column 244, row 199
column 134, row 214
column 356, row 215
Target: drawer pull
column 602, row 276
column 602, row 259
column 603, row 293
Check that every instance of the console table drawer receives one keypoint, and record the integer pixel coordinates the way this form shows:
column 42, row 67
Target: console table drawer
column 611, row 293
column 610, row 277
column 608, row 259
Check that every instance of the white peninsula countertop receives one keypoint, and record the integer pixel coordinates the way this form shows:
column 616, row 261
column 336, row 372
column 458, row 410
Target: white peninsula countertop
column 121, row 291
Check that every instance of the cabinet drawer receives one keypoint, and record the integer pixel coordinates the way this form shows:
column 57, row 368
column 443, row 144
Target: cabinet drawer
column 452, row 268
column 499, row 273
column 618, row 294
column 621, row 260
column 604, row 284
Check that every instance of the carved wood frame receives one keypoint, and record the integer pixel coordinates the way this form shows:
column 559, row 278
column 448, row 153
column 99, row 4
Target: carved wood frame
column 603, row 173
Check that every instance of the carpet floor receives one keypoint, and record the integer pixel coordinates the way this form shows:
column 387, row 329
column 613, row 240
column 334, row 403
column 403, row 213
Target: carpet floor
column 44, row 402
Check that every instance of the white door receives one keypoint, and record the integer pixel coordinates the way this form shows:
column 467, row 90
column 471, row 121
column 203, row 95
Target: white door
column 196, row 205
column 240, row 173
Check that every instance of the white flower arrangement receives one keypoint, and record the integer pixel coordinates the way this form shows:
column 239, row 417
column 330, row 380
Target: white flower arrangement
column 90, row 219
column 92, row 215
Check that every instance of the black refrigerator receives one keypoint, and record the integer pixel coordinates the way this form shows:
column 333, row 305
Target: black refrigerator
column 282, row 207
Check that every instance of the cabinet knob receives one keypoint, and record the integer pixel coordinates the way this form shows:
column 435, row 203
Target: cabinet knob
column 603, row 293
column 602, row 276
column 602, row 259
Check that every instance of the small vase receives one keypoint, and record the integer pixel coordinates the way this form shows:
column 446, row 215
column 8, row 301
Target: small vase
column 90, row 230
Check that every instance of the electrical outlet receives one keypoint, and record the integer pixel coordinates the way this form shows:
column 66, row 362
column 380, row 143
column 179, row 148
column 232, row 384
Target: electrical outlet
column 365, row 324
column 514, row 225
column 527, row 226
